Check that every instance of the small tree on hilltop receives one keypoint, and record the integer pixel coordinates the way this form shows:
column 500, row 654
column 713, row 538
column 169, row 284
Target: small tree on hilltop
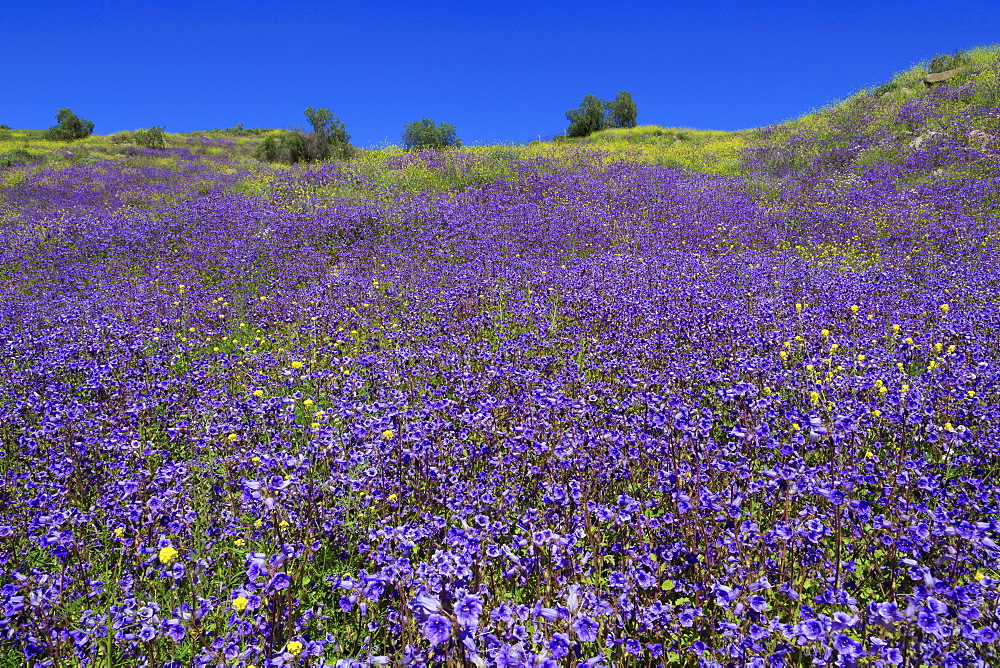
column 329, row 136
column 587, row 119
column 428, row 134
column 328, row 139
column 621, row 111
column 70, row 127
column 151, row 138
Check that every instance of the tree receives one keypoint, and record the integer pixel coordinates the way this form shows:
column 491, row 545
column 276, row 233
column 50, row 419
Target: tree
column 70, row 127
column 328, row 139
column 329, row 136
column 428, row 134
column 587, row 119
column 621, row 111
column 151, row 138
column 288, row 146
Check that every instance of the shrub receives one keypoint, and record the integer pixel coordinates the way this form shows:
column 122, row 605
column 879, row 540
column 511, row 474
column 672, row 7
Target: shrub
column 70, row 127
column 151, row 138
column 328, row 139
column 15, row 157
column 885, row 89
column 237, row 131
column 428, row 134
column 288, row 146
column 945, row 62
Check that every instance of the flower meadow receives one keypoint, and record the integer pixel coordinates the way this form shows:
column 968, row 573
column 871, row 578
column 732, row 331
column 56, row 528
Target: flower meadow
column 473, row 409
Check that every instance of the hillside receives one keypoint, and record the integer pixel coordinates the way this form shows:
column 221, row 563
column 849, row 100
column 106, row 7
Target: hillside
column 938, row 115
column 946, row 108
column 664, row 398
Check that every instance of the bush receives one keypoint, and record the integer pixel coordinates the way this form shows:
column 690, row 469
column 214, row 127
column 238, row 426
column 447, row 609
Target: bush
column 151, row 138
column 70, row 127
column 236, row 131
column 14, row 157
column 428, row 134
column 885, row 89
column 329, row 139
column 945, row 62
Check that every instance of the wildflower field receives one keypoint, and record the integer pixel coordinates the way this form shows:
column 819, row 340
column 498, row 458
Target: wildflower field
column 510, row 406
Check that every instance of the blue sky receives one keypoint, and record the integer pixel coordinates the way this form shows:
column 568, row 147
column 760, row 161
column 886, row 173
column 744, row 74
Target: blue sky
column 498, row 71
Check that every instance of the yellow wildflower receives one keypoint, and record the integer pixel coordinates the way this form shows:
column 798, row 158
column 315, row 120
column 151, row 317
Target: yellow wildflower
column 167, row 554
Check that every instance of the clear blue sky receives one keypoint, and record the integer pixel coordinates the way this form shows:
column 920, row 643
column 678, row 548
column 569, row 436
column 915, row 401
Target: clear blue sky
column 496, row 70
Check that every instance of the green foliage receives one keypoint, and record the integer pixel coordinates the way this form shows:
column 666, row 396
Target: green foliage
column 326, row 124
column 885, row 88
column 588, row 118
column 428, row 134
column 70, row 127
column 286, row 146
column 151, row 138
column 14, row 157
column 236, row 131
column 945, row 62
column 328, row 140
column 594, row 115
column 621, row 111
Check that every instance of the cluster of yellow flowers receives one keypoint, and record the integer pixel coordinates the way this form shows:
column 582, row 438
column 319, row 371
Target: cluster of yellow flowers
column 167, row 555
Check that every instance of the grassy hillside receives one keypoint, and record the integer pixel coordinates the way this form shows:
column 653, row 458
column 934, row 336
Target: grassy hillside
column 884, row 124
